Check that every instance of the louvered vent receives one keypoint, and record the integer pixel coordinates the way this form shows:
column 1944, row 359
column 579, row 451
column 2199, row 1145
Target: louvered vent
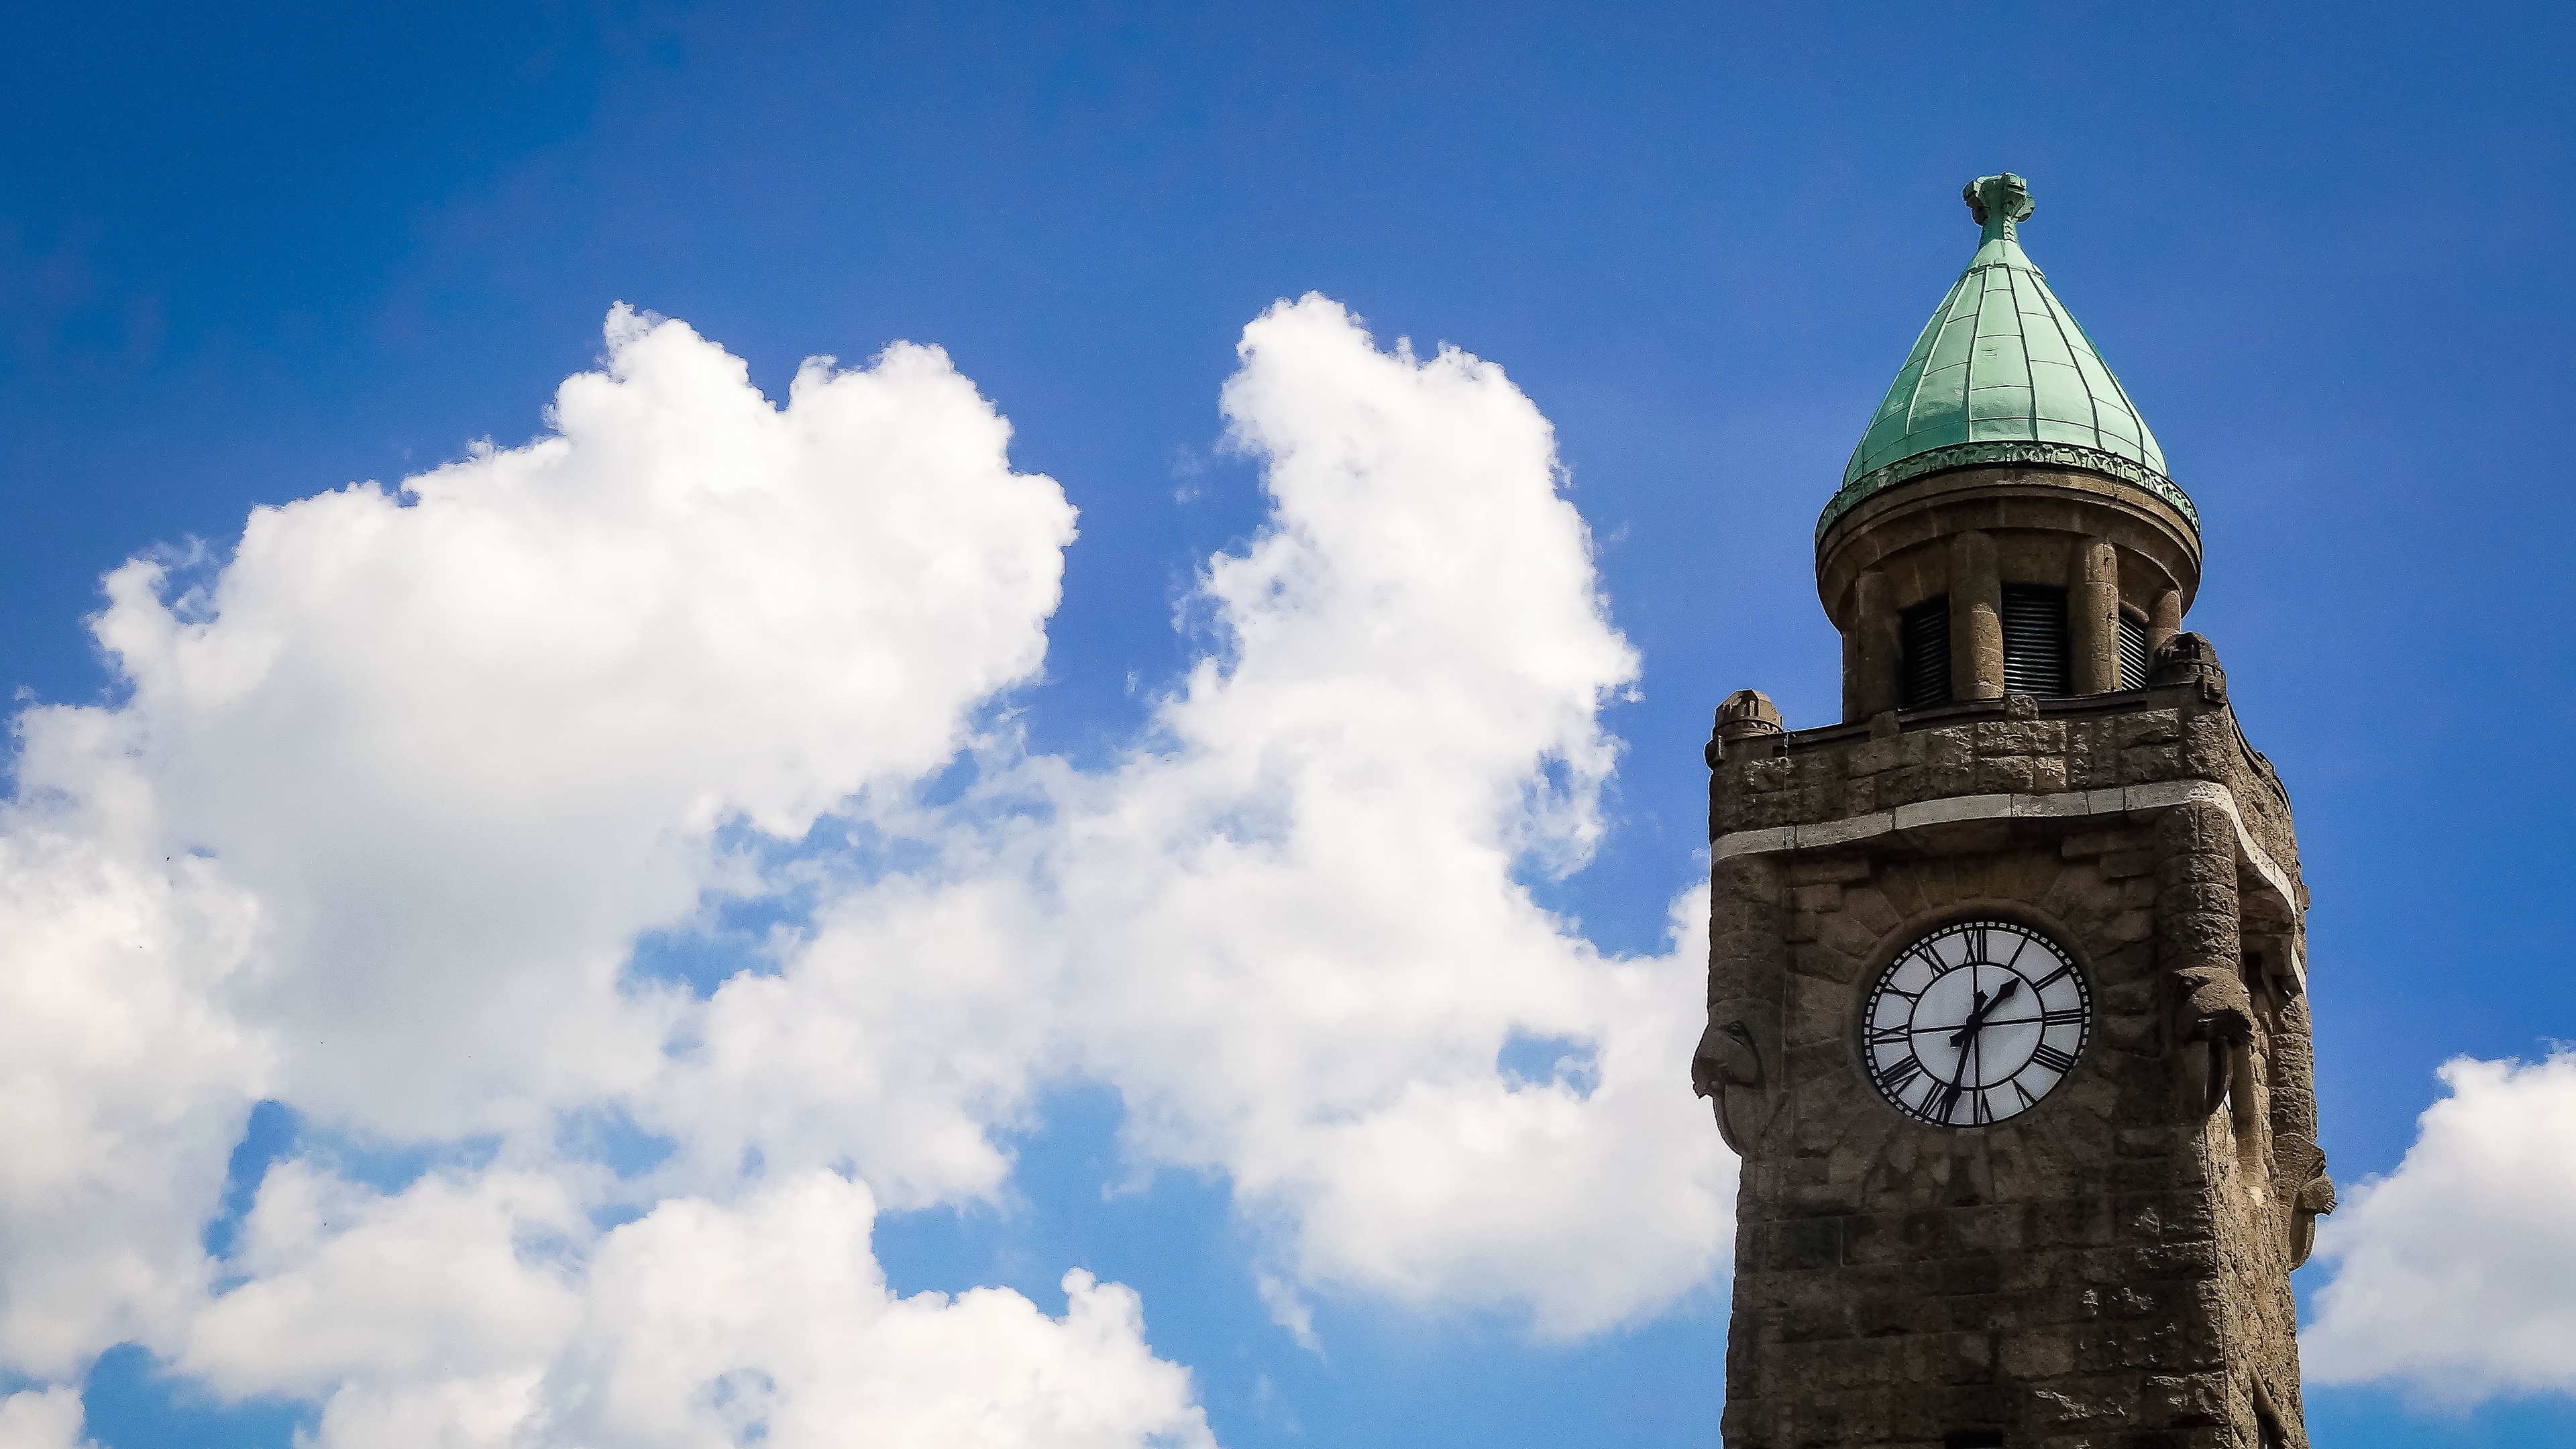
column 1926, row 631
column 2034, row 641
column 2133, row 655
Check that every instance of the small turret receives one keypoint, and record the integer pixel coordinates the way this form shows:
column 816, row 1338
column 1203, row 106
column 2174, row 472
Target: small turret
column 2006, row 523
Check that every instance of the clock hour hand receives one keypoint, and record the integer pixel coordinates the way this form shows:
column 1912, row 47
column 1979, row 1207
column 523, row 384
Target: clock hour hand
column 1977, row 1017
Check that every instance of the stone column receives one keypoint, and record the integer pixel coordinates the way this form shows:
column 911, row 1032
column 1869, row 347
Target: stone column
column 2163, row 623
column 2299, row 1177
column 1737, row 1064
column 1855, row 708
column 2093, row 618
column 1976, row 618
column 2200, row 948
column 1873, row 652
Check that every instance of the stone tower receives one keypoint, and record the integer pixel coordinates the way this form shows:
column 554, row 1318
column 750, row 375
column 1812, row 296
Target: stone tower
column 2007, row 997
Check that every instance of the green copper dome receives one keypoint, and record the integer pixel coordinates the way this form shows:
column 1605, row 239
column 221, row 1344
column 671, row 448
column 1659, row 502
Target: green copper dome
column 2003, row 374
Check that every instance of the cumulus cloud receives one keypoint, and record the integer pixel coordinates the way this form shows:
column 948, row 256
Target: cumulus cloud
column 487, row 1310
column 1306, row 938
column 395, row 790
column 390, row 795
column 43, row 1419
column 918, row 1017
column 1290, row 927
column 2456, row 1275
column 122, row 1083
column 465, row 739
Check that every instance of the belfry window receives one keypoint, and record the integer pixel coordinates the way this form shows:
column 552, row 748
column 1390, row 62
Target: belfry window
column 2133, row 654
column 2034, row 620
column 1924, row 631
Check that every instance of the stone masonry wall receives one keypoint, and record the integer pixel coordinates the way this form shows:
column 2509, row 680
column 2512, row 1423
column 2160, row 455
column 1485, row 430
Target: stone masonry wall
column 2111, row 1267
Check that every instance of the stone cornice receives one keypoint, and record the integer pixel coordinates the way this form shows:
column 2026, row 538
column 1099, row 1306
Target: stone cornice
column 2011, row 451
column 2065, row 805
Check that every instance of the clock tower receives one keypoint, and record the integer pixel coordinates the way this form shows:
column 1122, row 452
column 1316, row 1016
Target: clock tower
column 2007, row 983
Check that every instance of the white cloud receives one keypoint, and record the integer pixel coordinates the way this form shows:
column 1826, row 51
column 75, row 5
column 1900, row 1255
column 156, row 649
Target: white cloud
column 916, row 1019
column 1303, row 941
column 467, row 739
column 2456, row 1274
column 450, row 1280
column 395, row 788
column 42, row 1419
column 123, row 1087
column 488, row 1311
column 399, row 785
column 780, row 1303
column 1290, row 930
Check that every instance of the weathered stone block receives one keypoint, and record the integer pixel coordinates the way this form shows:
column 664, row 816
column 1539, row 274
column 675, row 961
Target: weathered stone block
column 2121, row 864
column 2151, row 762
column 2187, row 1400
column 1819, row 1011
column 1869, row 910
column 2005, row 774
column 1824, row 961
column 2150, row 727
column 1848, row 934
column 1860, row 1227
column 1874, row 756
column 1795, row 1245
column 2095, row 842
column 1828, row 869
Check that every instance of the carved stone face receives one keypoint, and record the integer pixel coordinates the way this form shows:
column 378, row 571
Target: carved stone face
column 1975, row 1023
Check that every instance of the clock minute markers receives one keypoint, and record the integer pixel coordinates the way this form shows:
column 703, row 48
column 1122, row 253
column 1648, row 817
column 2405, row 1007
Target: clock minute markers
column 1897, row 1019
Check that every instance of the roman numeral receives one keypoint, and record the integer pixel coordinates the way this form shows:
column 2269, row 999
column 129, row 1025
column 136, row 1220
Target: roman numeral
column 2027, row 1100
column 1893, row 1078
column 2053, row 1059
column 1976, row 938
column 1880, row 1036
column 2068, row 1016
column 1981, row 1115
column 2052, row 978
column 1943, row 1098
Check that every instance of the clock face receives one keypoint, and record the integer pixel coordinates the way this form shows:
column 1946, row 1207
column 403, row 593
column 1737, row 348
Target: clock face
column 1975, row 1023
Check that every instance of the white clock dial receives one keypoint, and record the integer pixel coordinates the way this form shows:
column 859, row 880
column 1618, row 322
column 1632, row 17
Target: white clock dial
column 1975, row 1023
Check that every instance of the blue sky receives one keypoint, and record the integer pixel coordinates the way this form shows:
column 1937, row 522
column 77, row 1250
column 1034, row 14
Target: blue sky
column 248, row 257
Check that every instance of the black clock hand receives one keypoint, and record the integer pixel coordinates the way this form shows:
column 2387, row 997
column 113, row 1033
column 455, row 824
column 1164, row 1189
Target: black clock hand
column 1976, row 1015
column 1977, row 1018
column 1949, row 1098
